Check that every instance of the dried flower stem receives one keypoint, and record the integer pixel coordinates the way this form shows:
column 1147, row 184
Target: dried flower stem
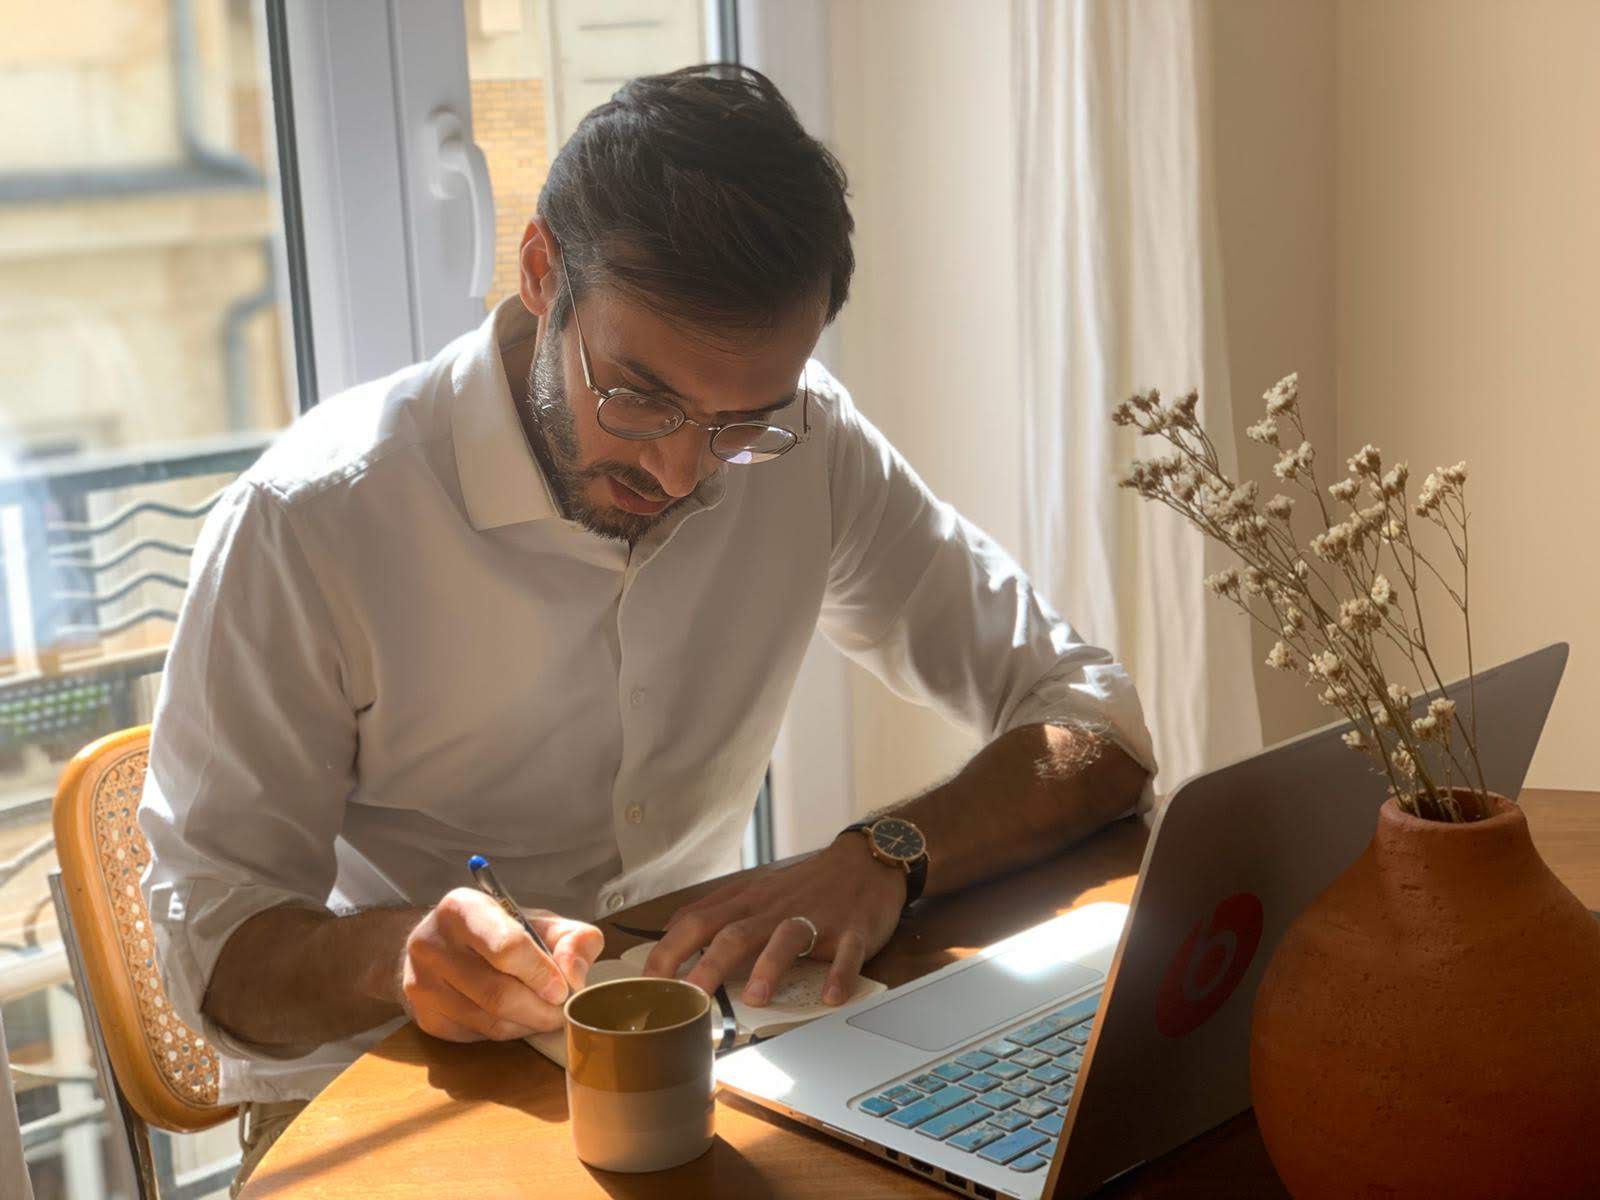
column 1332, row 606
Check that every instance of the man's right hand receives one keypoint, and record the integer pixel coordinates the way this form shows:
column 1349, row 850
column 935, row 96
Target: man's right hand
column 469, row 972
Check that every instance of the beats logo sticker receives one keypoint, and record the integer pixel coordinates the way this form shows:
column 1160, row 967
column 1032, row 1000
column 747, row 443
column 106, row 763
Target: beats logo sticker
column 1209, row 965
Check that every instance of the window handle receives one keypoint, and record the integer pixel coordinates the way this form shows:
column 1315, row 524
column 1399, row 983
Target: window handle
column 452, row 162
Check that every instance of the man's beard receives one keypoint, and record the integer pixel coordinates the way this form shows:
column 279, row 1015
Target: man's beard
column 569, row 479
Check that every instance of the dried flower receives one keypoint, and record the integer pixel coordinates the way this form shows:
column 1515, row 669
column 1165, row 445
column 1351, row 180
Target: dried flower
column 1394, row 480
column 1431, row 496
column 1243, row 498
column 1185, row 484
column 1382, row 592
column 1281, row 396
column 1366, row 461
column 1328, row 619
column 1446, row 481
column 1292, row 462
column 1135, row 477
column 1223, row 583
column 1359, row 615
column 1264, row 431
column 1183, row 410
column 1335, row 545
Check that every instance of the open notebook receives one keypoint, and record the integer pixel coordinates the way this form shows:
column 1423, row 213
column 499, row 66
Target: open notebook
column 797, row 1001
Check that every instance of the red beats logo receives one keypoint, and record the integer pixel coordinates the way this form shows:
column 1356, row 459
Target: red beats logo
column 1209, row 965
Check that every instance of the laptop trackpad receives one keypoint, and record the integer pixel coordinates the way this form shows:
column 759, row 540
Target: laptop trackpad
column 993, row 992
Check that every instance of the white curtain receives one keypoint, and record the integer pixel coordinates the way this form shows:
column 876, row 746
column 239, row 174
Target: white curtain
column 1120, row 291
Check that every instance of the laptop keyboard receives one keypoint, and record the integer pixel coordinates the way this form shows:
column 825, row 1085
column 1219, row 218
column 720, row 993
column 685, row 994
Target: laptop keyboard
column 1005, row 1100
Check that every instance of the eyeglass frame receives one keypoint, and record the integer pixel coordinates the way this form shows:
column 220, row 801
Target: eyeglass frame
column 602, row 395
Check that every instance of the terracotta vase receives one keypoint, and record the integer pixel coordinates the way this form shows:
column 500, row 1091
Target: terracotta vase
column 1430, row 1026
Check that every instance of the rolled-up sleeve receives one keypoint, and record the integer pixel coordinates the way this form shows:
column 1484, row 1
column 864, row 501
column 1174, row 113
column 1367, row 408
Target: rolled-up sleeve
column 938, row 610
column 253, row 747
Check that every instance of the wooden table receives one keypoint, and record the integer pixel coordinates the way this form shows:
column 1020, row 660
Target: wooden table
column 424, row 1119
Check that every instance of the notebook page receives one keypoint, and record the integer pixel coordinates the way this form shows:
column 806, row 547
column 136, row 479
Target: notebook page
column 797, row 1000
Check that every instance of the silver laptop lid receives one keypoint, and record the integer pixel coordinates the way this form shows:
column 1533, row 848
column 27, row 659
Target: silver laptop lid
column 1234, row 857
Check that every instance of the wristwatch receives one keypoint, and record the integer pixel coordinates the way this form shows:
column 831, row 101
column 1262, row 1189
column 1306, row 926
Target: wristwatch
column 897, row 842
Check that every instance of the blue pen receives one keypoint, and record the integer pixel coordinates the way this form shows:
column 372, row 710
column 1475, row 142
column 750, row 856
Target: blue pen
column 483, row 875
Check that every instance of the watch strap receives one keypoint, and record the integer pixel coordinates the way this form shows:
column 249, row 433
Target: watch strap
column 916, row 879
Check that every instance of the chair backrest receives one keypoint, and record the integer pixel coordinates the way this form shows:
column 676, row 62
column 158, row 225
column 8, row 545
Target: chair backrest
column 166, row 1072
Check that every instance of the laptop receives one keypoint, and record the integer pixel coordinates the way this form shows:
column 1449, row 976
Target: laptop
column 1051, row 1062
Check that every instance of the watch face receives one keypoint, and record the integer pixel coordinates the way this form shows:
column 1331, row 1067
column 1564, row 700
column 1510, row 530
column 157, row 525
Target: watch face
column 899, row 840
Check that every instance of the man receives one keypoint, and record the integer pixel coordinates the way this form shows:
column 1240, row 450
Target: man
column 544, row 598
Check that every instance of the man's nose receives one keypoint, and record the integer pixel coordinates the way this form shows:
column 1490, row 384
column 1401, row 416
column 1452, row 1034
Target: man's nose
column 678, row 461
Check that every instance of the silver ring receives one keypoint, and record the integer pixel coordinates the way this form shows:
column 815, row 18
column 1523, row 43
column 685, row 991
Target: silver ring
column 812, row 944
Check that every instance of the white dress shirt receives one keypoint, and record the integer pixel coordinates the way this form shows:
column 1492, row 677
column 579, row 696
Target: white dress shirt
column 395, row 653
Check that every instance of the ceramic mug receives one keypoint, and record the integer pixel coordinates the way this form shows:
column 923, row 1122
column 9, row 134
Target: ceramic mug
column 639, row 1073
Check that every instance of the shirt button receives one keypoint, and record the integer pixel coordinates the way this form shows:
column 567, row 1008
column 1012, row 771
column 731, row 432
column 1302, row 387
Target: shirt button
column 614, row 902
column 636, row 697
column 635, row 814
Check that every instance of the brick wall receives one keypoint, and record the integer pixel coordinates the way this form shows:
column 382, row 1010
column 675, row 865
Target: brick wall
column 508, row 123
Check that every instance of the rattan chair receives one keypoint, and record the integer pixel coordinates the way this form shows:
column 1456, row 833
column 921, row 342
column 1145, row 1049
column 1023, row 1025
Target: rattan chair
column 154, row 1069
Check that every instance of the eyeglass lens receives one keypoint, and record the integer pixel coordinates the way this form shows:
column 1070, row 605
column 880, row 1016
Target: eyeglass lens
column 630, row 415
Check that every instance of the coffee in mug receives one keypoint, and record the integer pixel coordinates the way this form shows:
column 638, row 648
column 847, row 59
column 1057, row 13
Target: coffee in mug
column 639, row 1073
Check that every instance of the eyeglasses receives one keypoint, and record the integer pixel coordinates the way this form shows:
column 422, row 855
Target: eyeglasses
column 638, row 417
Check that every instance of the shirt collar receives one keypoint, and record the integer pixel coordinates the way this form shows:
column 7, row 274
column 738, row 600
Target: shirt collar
column 501, row 482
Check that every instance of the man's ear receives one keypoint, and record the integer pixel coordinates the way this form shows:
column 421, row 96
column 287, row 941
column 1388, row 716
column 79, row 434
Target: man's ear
column 541, row 267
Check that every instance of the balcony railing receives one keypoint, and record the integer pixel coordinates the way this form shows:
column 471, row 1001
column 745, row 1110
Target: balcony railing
column 75, row 585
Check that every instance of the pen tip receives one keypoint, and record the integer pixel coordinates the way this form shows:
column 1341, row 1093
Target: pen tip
column 477, row 862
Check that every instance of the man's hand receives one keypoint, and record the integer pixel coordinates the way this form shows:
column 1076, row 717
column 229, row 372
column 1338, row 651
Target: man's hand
column 469, row 972
column 853, row 899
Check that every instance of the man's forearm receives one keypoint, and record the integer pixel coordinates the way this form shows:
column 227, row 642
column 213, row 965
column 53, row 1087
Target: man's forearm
column 291, row 979
column 1027, row 795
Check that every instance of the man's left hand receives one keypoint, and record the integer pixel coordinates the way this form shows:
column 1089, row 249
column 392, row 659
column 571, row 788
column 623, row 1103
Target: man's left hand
column 853, row 899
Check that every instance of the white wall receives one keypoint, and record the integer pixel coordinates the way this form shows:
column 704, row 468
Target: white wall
column 1406, row 197
column 1469, row 249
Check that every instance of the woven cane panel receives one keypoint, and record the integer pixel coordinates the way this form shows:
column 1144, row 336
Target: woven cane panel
column 185, row 1063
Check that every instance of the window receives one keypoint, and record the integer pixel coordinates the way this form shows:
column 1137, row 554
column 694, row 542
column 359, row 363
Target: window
column 536, row 68
column 459, row 122
column 158, row 320
column 145, row 359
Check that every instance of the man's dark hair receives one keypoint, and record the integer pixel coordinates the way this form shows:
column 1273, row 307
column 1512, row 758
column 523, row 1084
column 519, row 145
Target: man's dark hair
column 700, row 192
